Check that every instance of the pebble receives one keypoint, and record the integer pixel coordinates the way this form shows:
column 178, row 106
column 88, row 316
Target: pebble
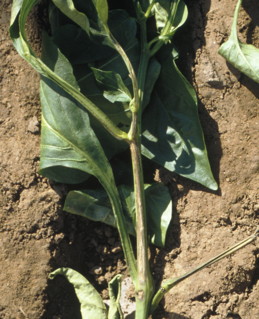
column 97, row 270
column 34, row 125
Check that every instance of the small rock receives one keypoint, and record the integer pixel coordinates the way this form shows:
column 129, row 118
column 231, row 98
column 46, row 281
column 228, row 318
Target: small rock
column 97, row 270
column 116, row 249
column 33, row 125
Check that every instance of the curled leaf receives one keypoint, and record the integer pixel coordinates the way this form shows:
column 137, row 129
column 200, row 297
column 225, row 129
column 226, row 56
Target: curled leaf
column 115, row 311
column 95, row 206
column 244, row 57
column 91, row 304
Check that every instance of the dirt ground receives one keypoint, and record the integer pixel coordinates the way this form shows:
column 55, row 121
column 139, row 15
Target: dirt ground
column 36, row 236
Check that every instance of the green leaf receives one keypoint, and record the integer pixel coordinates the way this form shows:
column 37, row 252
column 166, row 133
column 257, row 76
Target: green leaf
column 172, row 134
column 114, row 288
column 170, row 15
column 17, row 32
column 91, row 304
column 244, row 57
column 65, row 128
column 67, row 7
column 114, row 88
column 95, row 206
column 102, row 10
column 153, row 72
column 92, row 53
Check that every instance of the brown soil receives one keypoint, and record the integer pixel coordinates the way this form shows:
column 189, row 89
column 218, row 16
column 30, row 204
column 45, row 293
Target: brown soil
column 36, row 236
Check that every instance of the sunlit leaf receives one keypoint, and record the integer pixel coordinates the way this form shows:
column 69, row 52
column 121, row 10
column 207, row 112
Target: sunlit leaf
column 244, row 57
column 170, row 15
column 172, row 134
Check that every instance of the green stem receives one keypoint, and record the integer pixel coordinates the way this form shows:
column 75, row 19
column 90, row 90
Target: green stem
column 130, row 68
column 149, row 9
column 234, row 24
column 169, row 284
column 124, row 235
column 99, row 115
column 144, row 283
column 144, row 288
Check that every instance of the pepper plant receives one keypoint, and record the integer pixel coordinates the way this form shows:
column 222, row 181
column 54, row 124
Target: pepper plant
column 109, row 85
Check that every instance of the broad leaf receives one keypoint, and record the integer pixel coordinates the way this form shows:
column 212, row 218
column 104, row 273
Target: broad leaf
column 114, row 287
column 91, row 304
column 244, row 57
column 93, row 19
column 102, row 10
column 94, row 205
column 114, row 89
column 172, row 135
column 68, row 8
column 66, row 128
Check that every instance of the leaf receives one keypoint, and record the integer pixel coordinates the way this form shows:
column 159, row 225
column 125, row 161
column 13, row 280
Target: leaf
column 114, row 288
column 67, row 7
column 244, row 57
column 113, row 86
column 95, row 206
column 172, row 135
column 124, row 29
column 91, row 304
column 153, row 72
column 17, row 32
column 170, row 15
column 102, row 10
column 65, row 128
column 93, row 20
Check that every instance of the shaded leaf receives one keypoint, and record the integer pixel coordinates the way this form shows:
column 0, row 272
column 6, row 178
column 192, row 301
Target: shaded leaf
column 114, row 287
column 94, row 205
column 113, row 86
column 172, row 134
column 65, row 128
column 244, row 57
column 91, row 304
column 67, row 7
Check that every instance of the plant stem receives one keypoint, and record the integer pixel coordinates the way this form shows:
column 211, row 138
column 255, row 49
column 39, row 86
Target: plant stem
column 144, row 288
column 124, row 235
column 144, row 283
column 169, row 284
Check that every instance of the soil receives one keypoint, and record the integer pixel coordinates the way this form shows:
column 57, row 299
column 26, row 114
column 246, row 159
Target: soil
column 36, row 236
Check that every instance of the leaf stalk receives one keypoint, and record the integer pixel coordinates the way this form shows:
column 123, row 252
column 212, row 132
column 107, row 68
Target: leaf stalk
column 169, row 284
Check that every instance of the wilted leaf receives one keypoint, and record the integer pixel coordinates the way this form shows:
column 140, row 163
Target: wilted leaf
column 114, row 287
column 91, row 304
column 94, row 205
column 244, row 57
